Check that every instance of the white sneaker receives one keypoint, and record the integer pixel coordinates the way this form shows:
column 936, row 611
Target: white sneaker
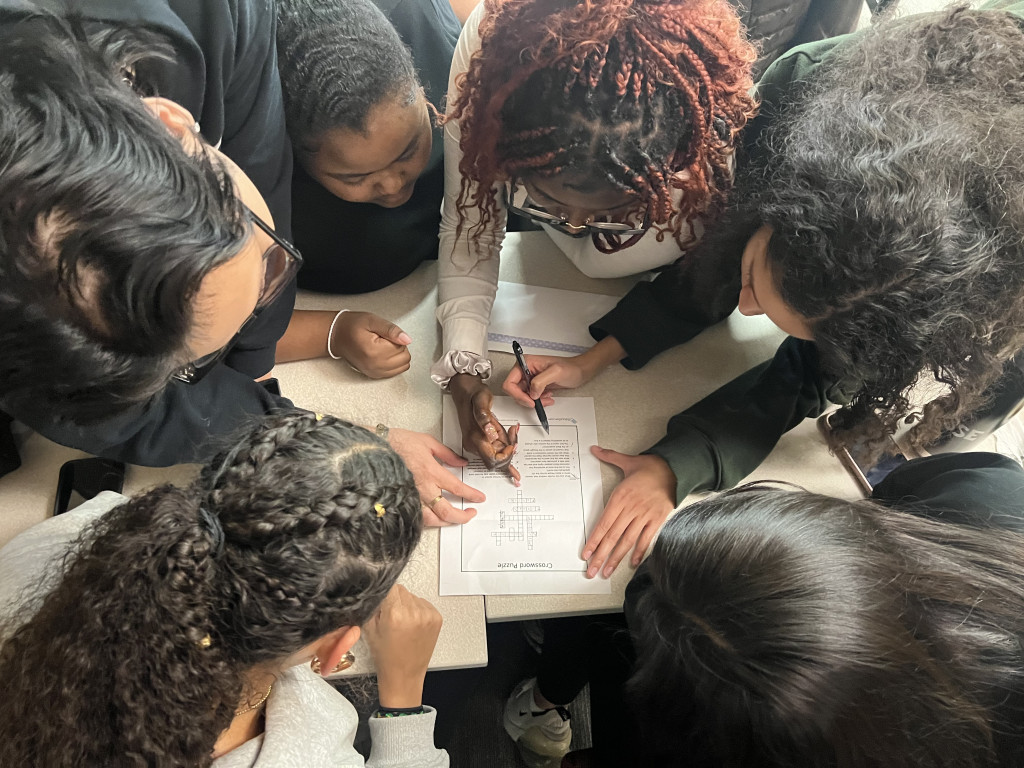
column 542, row 736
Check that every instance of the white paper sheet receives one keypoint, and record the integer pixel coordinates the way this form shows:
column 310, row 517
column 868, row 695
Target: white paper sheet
column 546, row 321
column 527, row 540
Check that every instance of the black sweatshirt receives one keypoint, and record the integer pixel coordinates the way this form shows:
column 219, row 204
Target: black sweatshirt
column 224, row 73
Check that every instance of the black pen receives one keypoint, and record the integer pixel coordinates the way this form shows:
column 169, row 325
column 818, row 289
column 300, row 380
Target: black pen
column 528, row 377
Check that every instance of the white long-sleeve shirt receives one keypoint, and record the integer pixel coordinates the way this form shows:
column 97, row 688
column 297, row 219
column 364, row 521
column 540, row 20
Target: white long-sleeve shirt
column 468, row 268
column 308, row 723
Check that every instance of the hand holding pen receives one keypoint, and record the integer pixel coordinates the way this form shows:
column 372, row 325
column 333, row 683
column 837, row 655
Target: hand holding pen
column 517, row 349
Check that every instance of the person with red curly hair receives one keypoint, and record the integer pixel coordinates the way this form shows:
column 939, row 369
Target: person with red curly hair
column 612, row 124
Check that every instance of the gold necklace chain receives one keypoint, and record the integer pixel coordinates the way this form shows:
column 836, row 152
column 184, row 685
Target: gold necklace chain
column 258, row 704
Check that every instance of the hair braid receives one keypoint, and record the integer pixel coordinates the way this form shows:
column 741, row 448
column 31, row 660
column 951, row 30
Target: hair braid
column 643, row 78
column 114, row 669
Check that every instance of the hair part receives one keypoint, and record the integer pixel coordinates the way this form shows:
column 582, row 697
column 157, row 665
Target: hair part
column 107, row 226
column 112, row 668
column 790, row 628
column 338, row 60
column 632, row 91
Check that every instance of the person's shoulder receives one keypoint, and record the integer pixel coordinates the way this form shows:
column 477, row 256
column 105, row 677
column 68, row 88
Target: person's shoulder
column 799, row 64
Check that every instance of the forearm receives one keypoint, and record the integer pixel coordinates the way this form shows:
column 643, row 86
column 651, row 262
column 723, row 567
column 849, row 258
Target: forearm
column 306, row 336
column 607, row 351
column 718, row 441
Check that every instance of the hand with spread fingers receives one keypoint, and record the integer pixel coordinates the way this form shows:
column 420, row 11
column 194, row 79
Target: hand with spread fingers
column 634, row 513
column 424, row 456
column 482, row 433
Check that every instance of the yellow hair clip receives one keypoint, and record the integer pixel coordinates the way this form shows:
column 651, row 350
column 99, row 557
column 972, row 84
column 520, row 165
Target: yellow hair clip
column 205, row 642
column 319, row 416
column 380, row 509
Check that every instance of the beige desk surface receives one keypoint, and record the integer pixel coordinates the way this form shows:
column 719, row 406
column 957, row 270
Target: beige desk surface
column 632, row 411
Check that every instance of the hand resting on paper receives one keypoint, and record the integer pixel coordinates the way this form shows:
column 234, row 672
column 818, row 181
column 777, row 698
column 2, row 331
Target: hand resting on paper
column 554, row 373
column 375, row 347
column 634, row 513
column 482, row 433
column 421, row 453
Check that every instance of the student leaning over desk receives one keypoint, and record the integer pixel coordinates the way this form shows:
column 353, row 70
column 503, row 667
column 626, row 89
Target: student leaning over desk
column 774, row 628
column 613, row 123
column 143, row 287
column 190, row 627
column 880, row 222
column 360, row 84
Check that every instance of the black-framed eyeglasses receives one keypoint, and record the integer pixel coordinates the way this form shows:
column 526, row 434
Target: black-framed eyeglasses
column 517, row 200
column 280, row 263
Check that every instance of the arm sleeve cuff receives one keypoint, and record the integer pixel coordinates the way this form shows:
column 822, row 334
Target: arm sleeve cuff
column 399, row 742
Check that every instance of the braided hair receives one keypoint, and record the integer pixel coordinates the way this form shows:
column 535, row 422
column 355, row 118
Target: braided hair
column 338, row 59
column 114, row 668
column 631, row 91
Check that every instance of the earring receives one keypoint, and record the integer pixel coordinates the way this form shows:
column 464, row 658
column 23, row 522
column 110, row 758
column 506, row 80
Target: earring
column 346, row 661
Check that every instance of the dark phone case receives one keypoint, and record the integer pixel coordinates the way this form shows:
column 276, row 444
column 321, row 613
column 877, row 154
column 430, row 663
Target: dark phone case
column 88, row 477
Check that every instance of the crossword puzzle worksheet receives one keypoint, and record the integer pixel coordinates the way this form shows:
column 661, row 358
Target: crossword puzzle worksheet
column 528, row 540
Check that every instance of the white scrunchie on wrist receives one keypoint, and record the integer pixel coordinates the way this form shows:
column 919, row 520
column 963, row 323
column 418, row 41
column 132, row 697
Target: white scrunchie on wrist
column 454, row 362
column 330, row 333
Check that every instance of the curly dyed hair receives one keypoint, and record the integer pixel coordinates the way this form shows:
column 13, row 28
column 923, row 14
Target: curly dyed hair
column 630, row 91
column 894, row 185
column 110, row 670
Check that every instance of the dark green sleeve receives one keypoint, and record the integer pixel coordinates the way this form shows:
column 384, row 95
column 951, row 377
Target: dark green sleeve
column 723, row 438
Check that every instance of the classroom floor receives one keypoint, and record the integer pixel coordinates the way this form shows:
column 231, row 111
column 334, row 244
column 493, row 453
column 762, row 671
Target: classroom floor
column 470, row 702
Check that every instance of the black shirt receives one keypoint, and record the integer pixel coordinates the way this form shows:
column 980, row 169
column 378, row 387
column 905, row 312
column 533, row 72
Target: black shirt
column 225, row 73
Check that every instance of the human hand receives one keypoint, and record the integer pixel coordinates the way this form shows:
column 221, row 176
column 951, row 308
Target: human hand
column 372, row 345
column 482, row 433
column 421, row 453
column 634, row 513
column 401, row 636
column 548, row 374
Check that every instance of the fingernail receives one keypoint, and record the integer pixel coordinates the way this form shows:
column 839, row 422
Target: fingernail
column 516, row 483
column 587, row 553
column 591, row 573
column 405, row 338
column 608, row 572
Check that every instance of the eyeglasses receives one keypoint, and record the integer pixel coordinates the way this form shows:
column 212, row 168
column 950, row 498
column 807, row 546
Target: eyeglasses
column 517, row 200
column 280, row 263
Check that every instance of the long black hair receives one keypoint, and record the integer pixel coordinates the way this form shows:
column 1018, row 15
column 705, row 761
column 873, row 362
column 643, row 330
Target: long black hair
column 138, row 657
column 107, row 226
column 784, row 628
